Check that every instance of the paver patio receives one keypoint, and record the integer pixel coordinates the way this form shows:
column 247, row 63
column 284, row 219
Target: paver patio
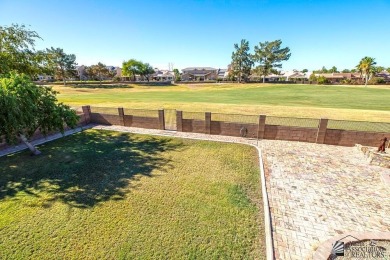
column 320, row 191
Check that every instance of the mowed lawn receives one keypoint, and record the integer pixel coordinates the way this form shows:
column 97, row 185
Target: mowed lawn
column 109, row 195
column 335, row 102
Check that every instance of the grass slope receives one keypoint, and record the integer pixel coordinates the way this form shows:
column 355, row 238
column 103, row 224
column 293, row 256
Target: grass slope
column 337, row 102
column 101, row 194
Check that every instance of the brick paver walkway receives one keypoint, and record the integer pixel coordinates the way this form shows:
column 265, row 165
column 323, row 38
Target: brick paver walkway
column 319, row 191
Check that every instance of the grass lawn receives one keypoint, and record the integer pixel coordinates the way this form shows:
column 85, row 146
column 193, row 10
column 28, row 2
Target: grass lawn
column 102, row 194
column 335, row 102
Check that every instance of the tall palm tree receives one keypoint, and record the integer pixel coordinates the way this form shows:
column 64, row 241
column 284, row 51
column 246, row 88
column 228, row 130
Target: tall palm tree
column 366, row 67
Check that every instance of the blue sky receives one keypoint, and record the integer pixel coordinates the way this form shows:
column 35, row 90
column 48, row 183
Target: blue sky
column 202, row 33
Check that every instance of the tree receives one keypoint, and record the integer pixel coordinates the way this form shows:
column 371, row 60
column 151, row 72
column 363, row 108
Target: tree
column 305, row 70
column 379, row 69
column 333, row 70
column 131, row 68
column 26, row 107
column 17, row 51
column 366, row 68
column 241, row 61
column 145, row 70
column 346, row 71
column 63, row 65
column 98, row 71
column 269, row 55
column 177, row 74
column 313, row 77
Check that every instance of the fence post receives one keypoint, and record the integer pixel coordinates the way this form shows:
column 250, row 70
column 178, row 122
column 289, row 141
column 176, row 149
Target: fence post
column 87, row 114
column 208, row 123
column 261, row 129
column 322, row 126
column 161, row 120
column 121, row 116
column 179, row 121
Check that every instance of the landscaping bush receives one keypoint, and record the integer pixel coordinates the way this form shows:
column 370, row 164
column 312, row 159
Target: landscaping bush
column 376, row 81
column 346, row 81
column 321, row 80
column 116, row 79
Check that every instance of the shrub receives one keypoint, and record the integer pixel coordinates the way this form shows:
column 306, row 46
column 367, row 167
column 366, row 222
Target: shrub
column 346, row 81
column 376, row 81
column 321, row 80
column 313, row 77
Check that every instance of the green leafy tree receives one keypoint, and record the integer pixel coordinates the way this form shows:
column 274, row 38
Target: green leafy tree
column 305, row 70
column 269, row 55
column 366, row 67
column 131, row 68
column 322, row 70
column 63, row 65
column 346, row 71
column 333, row 70
column 17, row 52
column 177, row 74
column 241, row 61
column 379, row 69
column 98, row 71
column 146, row 70
column 26, row 107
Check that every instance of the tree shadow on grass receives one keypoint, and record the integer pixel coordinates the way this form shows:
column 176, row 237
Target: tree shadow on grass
column 85, row 169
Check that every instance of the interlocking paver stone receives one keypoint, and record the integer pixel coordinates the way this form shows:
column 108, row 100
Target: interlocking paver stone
column 320, row 191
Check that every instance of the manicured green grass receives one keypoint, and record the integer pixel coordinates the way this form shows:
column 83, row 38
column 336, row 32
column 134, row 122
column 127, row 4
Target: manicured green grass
column 335, row 102
column 109, row 195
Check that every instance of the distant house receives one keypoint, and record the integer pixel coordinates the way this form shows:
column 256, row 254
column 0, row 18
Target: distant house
column 45, row 78
column 163, row 75
column 339, row 77
column 81, row 72
column 158, row 75
column 199, row 74
column 222, row 74
column 293, row 75
column 385, row 75
column 116, row 71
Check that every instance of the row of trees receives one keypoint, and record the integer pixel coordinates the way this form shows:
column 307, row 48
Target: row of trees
column 24, row 106
column 17, row 53
column 267, row 58
column 334, row 69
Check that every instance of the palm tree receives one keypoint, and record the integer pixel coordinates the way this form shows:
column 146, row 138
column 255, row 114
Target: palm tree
column 366, row 67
